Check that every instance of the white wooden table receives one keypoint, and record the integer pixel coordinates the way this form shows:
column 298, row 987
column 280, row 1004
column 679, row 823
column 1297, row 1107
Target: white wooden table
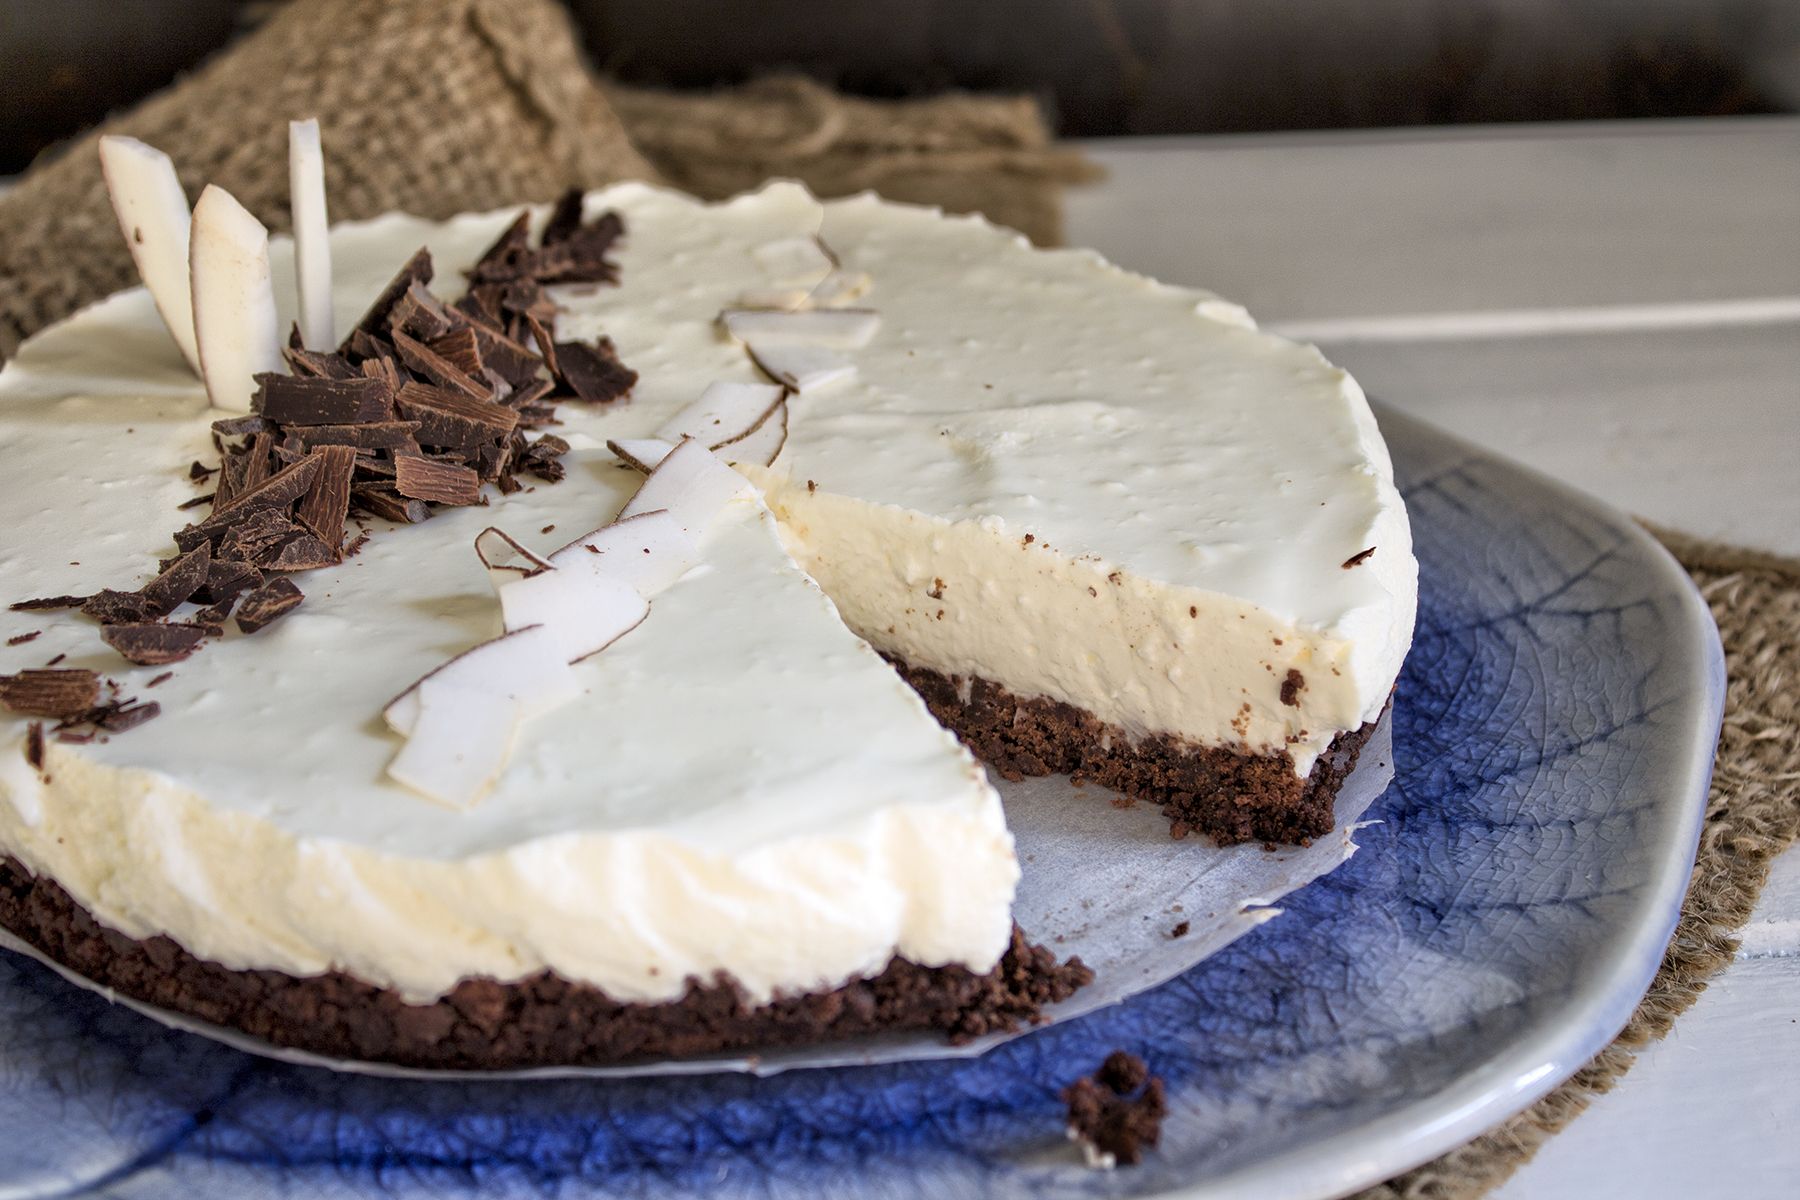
column 1617, row 305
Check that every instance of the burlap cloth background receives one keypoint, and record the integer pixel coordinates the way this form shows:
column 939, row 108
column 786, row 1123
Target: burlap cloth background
column 444, row 106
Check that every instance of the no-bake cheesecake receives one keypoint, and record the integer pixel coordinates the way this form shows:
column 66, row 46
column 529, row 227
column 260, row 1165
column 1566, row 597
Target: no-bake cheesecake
column 1101, row 525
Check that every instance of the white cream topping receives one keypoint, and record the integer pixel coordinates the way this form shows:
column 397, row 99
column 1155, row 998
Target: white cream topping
column 688, row 815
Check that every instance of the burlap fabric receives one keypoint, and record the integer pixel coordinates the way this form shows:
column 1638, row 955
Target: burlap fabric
column 446, row 106
column 441, row 106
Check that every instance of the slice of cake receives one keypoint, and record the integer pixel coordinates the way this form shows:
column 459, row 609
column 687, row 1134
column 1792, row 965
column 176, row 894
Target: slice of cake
column 1101, row 525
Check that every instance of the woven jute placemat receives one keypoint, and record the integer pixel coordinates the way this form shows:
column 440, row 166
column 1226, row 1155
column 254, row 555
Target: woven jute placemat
column 445, row 106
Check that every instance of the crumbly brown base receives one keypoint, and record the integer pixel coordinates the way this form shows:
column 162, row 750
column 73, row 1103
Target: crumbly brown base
column 1230, row 796
column 546, row 1020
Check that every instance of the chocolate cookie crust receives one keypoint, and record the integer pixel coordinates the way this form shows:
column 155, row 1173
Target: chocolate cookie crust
column 545, row 1020
column 1229, row 796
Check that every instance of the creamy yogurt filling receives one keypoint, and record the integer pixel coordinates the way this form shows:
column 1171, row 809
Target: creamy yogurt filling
column 1024, row 427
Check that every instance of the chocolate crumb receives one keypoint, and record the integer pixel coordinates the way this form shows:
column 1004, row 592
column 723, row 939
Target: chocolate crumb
column 163, row 678
column 1361, row 556
column 547, row 529
column 22, row 638
column 56, row 660
column 1117, row 1112
column 196, row 502
column 1291, row 687
column 34, row 748
column 811, row 487
column 199, row 470
column 1180, row 931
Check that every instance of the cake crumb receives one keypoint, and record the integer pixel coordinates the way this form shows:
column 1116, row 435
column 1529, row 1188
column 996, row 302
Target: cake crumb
column 1117, row 1112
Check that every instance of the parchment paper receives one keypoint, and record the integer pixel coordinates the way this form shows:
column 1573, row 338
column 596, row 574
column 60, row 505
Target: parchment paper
column 1104, row 883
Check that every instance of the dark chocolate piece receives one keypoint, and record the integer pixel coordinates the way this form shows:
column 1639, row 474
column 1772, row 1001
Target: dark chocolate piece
column 183, row 577
column 50, row 692
column 417, row 269
column 226, row 579
column 19, row 639
column 593, row 372
column 111, row 607
column 453, row 421
column 303, row 553
column 384, row 501
column 268, row 603
column 376, row 435
column 152, row 644
column 300, row 400
column 565, row 218
column 508, row 257
column 327, row 501
column 462, row 350
column 278, row 491
column 1360, row 557
column 421, row 315
column 34, row 747
column 423, row 360
column 436, row 482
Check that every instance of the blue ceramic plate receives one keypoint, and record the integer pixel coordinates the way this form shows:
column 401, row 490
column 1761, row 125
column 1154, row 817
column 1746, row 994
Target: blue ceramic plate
column 1552, row 734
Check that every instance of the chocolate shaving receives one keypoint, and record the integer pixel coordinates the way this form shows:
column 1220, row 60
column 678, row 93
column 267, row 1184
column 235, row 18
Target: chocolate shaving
column 462, row 350
column 50, row 693
column 47, row 603
column 1360, row 557
column 227, row 579
column 376, row 435
column 278, row 491
column 593, row 373
column 303, row 553
column 565, row 218
column 417, row 269
column 327, row 501
column 196, row 502
column 297, row 400
column 384, row 501
column 34, row 747
column 420, row 314
column 111, row 607
column 184, row 576
column 20, row 639
column 448, row 420
column 198, row 471
column 508, row 257
column 152, row 644
column 267, row 604
column 436, row 482
column 117, row 718
column 423, row 360
column 258, row 538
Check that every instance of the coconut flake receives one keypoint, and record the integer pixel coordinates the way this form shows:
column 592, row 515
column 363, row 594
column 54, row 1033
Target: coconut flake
column 460, row 741
column 693, row 484
column 725, row 412
column 839, row 328
column 525, row 665
column 839, row 288
column 762, row 445
column 312, row 239
column 236, row 331
column 505, row 558
column 153, row 215
column 640, row 454
column 583, row 611
column 794, row 260
column 649, row 551
column 801, row 368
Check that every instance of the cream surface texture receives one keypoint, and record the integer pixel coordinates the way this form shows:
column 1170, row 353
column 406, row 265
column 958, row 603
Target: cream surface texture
column 1044, row 471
